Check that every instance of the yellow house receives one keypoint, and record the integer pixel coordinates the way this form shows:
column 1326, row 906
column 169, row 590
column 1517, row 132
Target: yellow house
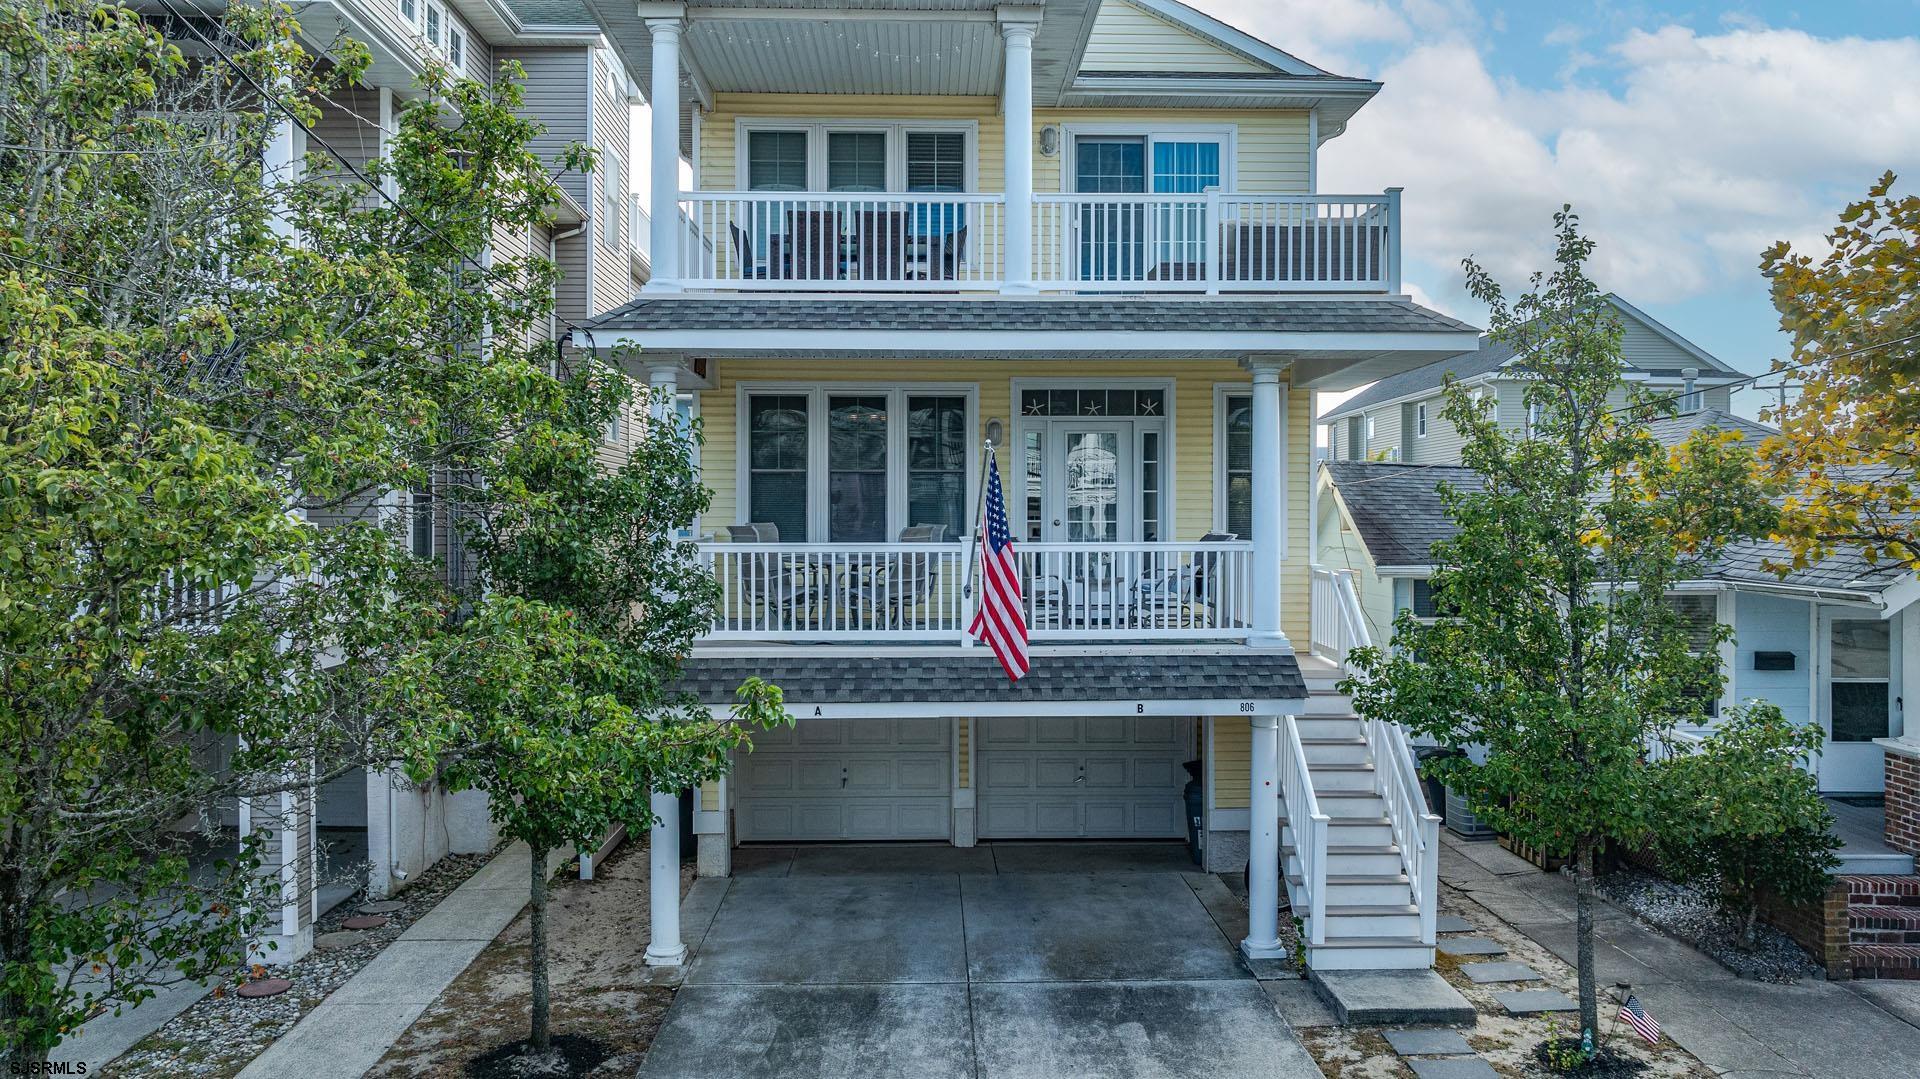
column 1079, row 247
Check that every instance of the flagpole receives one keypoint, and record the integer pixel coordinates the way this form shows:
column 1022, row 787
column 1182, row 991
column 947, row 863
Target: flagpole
column 973, row 533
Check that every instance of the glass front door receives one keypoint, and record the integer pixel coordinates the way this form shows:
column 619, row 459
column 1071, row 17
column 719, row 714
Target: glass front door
column 1092, row 482
column 1856, row 701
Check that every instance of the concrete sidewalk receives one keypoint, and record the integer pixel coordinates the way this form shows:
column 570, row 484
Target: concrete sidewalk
column 350, row 1031
column 1738, row 1028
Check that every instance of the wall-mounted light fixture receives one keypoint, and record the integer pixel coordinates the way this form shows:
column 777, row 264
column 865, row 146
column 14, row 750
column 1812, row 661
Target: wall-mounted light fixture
column 994, row 430
column 1049, row 140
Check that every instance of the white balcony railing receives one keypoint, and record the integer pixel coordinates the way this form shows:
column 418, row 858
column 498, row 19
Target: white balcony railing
column 920, row 591
column 1209, row 242
column 852, row 240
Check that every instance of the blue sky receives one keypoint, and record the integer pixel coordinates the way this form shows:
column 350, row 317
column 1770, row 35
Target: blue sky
column 1688, row 135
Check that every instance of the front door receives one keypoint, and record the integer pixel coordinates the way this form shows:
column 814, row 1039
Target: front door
column 1855, row 697
column 1090, row 489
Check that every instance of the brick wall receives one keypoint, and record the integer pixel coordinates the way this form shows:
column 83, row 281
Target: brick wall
column 1823, row 928
column 1886, row 925
column 1903, row 803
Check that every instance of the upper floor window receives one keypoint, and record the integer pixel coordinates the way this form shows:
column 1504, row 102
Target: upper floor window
column 1536, row 411
column 1356, row 440
column 456, row 48
column 1236, row 465
column 1370, row 433
column 436, row 22
column 420, row 522
column 613, row 189
column 1691, row 401
column 857, row 157
column 1420, row 419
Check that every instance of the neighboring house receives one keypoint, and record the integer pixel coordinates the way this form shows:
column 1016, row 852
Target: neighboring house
column 1091, row 234
column 1836, row 643
column 579, row 92
column 1401, row 418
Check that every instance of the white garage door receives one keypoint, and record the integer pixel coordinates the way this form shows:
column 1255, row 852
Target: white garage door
column 1063, row 777
column 847, row 779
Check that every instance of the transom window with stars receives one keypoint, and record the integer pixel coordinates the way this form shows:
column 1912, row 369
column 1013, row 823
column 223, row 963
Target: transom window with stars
column 1118, row 403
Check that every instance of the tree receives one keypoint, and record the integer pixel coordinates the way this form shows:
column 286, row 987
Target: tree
column 561, row 694
column 1849, row 444
column 1559, row 655
column 1741, row 814
column 202, row 360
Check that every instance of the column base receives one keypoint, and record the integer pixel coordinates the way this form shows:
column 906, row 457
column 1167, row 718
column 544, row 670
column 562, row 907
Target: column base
column 1274, row 950
column 1226, row 851
column 657, row 285
column 713, row 855
column 1018, row 288
column 1269, row 640
column 675, row 957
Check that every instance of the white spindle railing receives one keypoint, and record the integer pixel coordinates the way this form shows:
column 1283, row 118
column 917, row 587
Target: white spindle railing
column 1673, row 742
column 800, row 240
column 1125, row 590
column 1337, row 621
column 1415, row 828
column 1215, row 241
column 918, row 591
column 1308, row 824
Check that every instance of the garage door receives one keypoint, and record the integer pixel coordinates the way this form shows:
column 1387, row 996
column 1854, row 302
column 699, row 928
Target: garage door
column 1062, row 777
column 847, row 779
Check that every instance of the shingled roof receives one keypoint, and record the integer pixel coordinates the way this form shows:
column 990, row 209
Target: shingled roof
column 1065, row 315
column 973, row 676
column 1396, row 508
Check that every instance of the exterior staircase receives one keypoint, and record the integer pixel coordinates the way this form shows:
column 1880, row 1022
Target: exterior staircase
column 1359, row 844
column 1883, row 922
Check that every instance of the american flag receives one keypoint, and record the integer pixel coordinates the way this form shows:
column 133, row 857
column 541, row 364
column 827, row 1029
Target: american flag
column 1002, row 620
column 1636, row 1017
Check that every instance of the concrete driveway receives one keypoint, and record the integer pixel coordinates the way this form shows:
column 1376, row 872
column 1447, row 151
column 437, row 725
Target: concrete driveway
column 1002, row 961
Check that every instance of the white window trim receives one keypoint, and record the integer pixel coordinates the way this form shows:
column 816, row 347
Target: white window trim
column 817, row 130
column 1227, row 134
column 1420, row 420
column 817, row 393
column 1015, row 478
column 1222, row 391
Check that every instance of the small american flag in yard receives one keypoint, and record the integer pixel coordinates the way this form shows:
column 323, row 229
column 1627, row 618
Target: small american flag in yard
column 1636, row 1017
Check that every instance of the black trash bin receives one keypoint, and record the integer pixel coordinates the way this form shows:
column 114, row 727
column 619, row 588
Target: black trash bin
column 1436, row 790
column 1195, row 804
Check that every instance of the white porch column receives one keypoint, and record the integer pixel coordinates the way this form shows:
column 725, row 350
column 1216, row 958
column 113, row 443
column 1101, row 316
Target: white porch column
column 665, row 104
column 1263, row 842
column 1269, row 501
column 664, row 948
column 663, row 376
column 1016, row 103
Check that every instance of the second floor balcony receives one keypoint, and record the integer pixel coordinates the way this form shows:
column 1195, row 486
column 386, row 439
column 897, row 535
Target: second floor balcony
column 1209, row 241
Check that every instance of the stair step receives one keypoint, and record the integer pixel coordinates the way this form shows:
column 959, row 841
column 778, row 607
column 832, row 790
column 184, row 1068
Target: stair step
column 1370, row 953
column 1885, row 960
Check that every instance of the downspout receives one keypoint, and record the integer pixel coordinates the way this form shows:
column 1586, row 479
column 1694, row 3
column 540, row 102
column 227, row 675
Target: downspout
column 553, row 311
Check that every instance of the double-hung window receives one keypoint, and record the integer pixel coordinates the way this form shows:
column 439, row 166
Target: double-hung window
column 420, row 522
column 1420, row 419
column 1698, row 613
column 1236, row 477
column 856, row 156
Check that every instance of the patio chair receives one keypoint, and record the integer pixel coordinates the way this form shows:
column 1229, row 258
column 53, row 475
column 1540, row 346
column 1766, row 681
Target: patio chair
column 881, row 238
column 901, row 583
column 1179, row 596
column 769, row 580
column 743, row 255
column 813, row 245
column 947, row 253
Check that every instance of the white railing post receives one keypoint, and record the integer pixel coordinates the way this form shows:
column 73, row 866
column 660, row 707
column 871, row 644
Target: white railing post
column 1263, row 842
column 664, row 101
column 1214, row 241
column 1016, row 105
column 1392, row 240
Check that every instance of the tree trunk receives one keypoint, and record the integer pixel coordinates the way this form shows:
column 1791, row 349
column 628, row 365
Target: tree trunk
column 1747, row 930
column 539, row 1037
column 1583, row 856
column 20, row 1017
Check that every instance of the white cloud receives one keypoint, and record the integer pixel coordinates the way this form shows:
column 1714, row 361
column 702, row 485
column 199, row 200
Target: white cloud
column 1685, row 153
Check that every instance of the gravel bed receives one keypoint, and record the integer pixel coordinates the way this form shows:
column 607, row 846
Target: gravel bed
column 1693, row 916
column 221, row 1033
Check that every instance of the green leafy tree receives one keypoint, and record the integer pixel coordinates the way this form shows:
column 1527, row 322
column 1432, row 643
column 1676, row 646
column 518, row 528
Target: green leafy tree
column 587, row 599
column 203, row 362
column 1849, row 443
column 1559, row 655
column 1741, row 815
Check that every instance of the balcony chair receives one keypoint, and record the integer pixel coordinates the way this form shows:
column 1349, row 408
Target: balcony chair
column 811, row 250
column 945, row 254
column 1177, row 596
column 881, row 242
column 769, row 580
column 902, row 582
column 743, row 256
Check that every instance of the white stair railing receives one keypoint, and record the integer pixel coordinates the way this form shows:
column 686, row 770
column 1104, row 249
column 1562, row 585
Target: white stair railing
column 1309, row 826
column 1416, row 830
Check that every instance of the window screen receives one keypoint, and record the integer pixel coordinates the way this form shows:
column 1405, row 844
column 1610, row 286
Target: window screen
column 937, row 462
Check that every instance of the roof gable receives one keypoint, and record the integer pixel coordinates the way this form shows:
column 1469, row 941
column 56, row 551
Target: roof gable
column 1648, row 346
column 1168, row 37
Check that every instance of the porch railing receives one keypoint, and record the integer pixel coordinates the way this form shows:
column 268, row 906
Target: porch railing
column 1416, row 830
column 788, row 240
column 919, row 591
column 1212, row 241
column 1337, row 621
column 1309, row 825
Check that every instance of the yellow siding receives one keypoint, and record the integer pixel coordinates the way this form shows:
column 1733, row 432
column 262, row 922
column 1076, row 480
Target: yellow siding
column 710, row 796
column 1273, row 152
column 1126, row 38
column 963, row 738
column 1232, row 761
